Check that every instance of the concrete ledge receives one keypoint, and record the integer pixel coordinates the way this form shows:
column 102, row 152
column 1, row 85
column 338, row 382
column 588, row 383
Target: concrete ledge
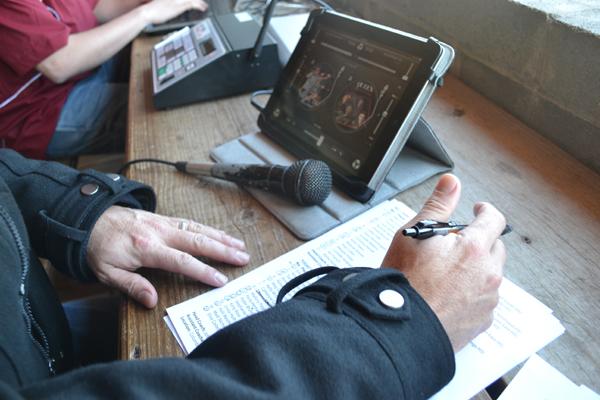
column 538, row 59
column 582, row 14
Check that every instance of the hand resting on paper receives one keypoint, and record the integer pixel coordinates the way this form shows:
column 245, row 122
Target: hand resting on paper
column 458, row 275
column 125, row 239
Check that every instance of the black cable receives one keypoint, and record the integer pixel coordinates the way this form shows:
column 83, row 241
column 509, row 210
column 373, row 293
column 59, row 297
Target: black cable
column 259, row 93
column 141, row 160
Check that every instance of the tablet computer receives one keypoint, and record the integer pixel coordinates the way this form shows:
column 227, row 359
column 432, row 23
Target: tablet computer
column 351, row 94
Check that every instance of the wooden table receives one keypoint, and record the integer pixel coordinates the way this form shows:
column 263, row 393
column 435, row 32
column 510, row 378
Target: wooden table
column 552, row 201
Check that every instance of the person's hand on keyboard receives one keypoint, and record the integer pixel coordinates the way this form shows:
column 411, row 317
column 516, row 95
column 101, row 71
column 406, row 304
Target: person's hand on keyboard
column 159, row 11
column 125, row 239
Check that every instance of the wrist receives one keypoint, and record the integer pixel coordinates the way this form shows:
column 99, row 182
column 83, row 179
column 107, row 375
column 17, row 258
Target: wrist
column 144, row 13
column 70, row 223
column 406, row 329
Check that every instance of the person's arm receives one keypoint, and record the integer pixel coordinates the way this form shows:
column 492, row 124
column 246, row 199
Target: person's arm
column 92, row 226
column 60, row 205
column 87, row 50
column 107, row 10
column 319, row 345
column 336, row 339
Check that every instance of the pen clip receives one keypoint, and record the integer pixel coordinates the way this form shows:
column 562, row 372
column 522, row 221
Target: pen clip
column 430, row 223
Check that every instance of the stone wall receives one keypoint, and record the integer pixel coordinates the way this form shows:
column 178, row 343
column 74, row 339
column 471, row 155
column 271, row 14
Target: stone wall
column 538, row 59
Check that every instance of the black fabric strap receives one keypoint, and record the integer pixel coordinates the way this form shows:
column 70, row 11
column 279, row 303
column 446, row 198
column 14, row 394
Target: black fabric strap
column 336, row 298
column 300, row 279
column 61, row 229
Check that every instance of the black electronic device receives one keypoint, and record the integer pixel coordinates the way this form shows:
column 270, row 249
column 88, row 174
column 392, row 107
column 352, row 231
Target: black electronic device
column 351, row 95
column 187, row 18
column 221, row 56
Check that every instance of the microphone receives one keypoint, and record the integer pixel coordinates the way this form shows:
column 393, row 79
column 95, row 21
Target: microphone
column 307, row 182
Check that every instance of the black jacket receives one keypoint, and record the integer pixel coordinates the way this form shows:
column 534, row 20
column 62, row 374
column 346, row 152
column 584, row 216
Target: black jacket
column 333, row 340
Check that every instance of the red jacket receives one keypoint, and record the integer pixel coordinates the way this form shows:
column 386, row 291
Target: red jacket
column 30, row 104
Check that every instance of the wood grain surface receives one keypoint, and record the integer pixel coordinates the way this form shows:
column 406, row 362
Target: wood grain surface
column 551, row 200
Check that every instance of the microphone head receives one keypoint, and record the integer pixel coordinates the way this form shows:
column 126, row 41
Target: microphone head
column 308, row 182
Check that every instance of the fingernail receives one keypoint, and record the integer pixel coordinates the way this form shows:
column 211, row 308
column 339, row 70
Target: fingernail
column 478, row 207
column 222, row 279
column 238, row 243
column 146, row 298
column 242, row 256
column 446, row 185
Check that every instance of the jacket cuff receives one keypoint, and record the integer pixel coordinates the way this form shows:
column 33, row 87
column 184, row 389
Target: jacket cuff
column 401, row 321
column 69, row 223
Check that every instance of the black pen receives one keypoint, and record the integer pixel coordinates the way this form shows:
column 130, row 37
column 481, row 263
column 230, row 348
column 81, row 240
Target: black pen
column 428, row 228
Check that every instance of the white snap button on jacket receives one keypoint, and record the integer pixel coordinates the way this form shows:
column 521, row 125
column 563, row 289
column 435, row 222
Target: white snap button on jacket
column 89, row 189
column 391, row 298
column 114, row 177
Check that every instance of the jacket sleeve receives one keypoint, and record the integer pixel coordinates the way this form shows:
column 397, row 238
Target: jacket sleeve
column 60, row 206
column 334, row 340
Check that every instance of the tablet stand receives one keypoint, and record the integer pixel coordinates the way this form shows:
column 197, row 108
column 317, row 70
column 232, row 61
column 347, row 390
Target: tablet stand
column 422, row 157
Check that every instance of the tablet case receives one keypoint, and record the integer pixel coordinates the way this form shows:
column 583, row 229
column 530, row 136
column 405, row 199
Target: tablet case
column 422, row 157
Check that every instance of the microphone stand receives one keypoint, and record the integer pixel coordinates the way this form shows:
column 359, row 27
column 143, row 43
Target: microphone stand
column 258, row 45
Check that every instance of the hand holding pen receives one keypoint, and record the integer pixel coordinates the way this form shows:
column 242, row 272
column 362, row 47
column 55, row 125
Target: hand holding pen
column 458, row 276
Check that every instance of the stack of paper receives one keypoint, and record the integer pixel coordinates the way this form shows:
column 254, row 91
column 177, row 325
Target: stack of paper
column 538, row 380
column 360, row 242
column 522, row 325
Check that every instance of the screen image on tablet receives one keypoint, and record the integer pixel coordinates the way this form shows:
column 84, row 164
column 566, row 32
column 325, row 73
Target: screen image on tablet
column 340, row 103
column 347, row 96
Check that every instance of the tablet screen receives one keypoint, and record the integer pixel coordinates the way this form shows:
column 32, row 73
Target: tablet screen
column 343, row 97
